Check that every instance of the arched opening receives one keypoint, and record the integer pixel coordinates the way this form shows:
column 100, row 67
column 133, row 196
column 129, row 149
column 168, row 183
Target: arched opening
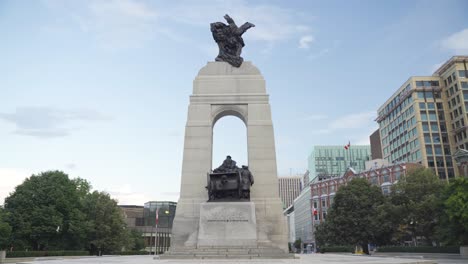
column 229, row 138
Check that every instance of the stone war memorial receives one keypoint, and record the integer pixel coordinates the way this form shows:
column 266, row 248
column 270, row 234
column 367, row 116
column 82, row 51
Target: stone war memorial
column 221, row 213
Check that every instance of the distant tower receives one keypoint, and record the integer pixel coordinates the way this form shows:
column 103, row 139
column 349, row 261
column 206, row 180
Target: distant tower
column 289, row 189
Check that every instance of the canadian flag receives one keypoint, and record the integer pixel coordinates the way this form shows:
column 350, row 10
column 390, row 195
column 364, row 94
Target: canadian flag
column 315, row 211
column 347, row 146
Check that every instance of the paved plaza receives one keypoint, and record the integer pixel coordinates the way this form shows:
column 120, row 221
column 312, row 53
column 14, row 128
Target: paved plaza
column 309, row 258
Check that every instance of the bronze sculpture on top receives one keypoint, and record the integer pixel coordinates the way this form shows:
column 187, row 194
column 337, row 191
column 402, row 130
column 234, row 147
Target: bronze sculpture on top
column 229, row 182
column 229, row 39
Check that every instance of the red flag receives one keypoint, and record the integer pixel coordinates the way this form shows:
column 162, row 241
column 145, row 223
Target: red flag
column 315, row 211
column 157, row 216
column 347, row 146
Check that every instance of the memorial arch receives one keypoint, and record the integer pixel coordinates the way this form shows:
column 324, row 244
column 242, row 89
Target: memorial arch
column 220, row 90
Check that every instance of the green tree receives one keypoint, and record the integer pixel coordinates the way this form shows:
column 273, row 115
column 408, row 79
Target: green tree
column 135, row 240
column 453, row 227
column 351, row 219
column 45, row 212
column 108, row 229
column 5, row 231
column 415, row 198
column 298, row 244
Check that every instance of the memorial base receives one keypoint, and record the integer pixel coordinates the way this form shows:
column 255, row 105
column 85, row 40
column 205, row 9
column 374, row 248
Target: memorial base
column 225, row 224
column 226, row 230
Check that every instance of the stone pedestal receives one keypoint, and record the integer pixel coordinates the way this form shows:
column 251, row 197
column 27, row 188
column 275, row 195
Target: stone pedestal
column 220, row 90
column 227, row 224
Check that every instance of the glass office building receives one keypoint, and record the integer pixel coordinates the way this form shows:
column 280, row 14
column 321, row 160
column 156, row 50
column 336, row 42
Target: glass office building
column 425, row 120
column 332, row 161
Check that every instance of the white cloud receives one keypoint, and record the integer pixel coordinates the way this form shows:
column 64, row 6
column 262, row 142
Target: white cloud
column 457, row 42
column 118, row 24
column 350, row 121
column 128, row 24
column 126, row 195
column 353, row 120
column 10, row 178
column 272, row 23
column 48, row 122
column 319, row 54
column 314, row 117
column 70, row 166
column 306, row 41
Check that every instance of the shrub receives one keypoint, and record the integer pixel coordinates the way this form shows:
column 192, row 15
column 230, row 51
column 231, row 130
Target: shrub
column 133, row 252
column 348, row 249
column 27, row 254
column 420, row 249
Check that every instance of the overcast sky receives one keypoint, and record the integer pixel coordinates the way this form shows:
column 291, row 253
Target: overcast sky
column 100, row 89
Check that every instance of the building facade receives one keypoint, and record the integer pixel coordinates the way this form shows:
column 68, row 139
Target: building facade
column 425, row 120
column 376, row 145
column 143, row 219
column 326, row 162
column 323, row 192
column 303, row 219
column 289, row 189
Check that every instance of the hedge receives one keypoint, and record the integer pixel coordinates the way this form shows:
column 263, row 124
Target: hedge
column 420, row 249
column 27, row 254
column 134, row 252
column 348, row 249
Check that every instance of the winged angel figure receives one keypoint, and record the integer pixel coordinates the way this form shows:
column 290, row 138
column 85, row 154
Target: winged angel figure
column 229, row 39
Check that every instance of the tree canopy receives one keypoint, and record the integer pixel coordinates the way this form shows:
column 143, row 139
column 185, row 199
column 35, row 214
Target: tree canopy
column 415, row 198
column 5, row 230
column 50, row 211
column 454, row 220
column 351, row 218
column 421, row 209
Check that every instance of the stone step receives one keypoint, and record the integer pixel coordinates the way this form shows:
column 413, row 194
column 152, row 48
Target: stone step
column 229, row 251
column 239, row 252
column 229, row 256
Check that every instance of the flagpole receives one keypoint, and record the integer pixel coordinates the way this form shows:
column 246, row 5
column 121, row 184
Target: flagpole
column 150, row 242
column 156, row 241
column 156, row 221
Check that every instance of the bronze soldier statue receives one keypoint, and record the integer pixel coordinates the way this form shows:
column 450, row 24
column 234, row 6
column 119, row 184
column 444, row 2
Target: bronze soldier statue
column 229, row 165
column 247, row 181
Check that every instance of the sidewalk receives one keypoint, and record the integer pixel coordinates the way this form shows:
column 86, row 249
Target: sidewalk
column 328, row 258
column 441, row 258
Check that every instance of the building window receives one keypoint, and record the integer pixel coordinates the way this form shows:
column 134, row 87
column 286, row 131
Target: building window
column 397, row 173
column 462, row 74
column 423, row 116
column 374, row 180
column 386, row 177
column 139, row 221
column 464, row 85
column 428, row 150
column 386, row 190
